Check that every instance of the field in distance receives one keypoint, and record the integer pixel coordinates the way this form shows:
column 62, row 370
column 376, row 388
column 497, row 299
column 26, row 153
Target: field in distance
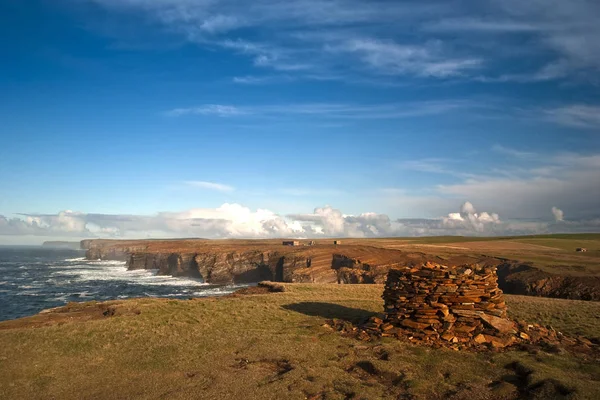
column 552, row 253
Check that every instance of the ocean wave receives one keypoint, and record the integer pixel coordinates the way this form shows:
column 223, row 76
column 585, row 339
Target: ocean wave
column 30, row 293
column 106, row 262
column 29, row 285
column 121, row 273
column 216, row 291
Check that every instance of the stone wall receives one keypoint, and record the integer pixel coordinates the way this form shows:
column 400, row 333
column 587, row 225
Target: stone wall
column 454, row 304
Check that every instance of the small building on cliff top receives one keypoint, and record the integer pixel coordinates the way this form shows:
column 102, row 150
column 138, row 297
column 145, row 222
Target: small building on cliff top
column 291, row 243
column 581, row 249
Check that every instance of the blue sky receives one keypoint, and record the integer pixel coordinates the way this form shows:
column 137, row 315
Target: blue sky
column 306, row 118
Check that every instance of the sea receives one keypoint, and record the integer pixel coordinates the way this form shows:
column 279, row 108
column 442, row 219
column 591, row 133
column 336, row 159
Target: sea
column 36, row 278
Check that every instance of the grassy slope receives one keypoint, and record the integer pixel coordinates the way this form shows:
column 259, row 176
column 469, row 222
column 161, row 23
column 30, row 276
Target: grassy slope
column 241, row 347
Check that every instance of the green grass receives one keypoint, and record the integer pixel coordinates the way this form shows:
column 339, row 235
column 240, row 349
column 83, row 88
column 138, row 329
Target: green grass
column 551, row 253
column 573, row 317
column 593, row 246
column 269, row 346
column 557, row 256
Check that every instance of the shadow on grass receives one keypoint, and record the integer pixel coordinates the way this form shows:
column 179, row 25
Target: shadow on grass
column 330, row 310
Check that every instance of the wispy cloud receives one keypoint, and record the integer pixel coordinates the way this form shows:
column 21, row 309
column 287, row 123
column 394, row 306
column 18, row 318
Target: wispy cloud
column 304, row 191
column 479, row 25
column 267, row 54
column 208, row 109
column 436, row 40
column 577, row 115
column 330, row 110
column 220, row 187
column 554, row 70
column 454, row 167
column 221, row 23
column 421, row 60
column 433, row 165
column 261, row 80
column 538, row 182
column 561, row 31
column 512, row 152
column 526, row 187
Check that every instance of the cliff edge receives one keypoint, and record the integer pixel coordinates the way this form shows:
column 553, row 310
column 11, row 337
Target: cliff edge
column 250, row 261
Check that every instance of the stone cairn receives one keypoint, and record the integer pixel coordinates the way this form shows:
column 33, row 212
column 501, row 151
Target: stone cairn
column 460, row 307
column 455, row 304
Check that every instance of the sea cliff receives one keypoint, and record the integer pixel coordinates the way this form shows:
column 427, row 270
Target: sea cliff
column 247, row 261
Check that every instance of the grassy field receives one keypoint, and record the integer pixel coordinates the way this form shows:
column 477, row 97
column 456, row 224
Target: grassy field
column 573, row 317
column 272, row 346
column 552, row 253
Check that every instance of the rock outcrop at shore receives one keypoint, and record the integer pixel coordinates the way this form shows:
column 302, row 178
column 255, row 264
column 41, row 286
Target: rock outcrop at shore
column 226, row 267
column 229, row 262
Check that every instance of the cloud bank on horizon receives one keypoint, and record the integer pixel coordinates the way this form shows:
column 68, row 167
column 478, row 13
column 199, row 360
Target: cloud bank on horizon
column 236, row 221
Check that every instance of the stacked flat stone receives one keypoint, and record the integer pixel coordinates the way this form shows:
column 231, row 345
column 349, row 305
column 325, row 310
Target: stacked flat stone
column 439, row 303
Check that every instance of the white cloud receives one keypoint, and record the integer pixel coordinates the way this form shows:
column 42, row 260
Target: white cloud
column 527, row 195
column 558, row 214
column 526, row 186
column 220, row 187
column 469, row 220
column 237, row 221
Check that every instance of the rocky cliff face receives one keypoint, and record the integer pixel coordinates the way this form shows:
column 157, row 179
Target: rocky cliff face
column 218, row 267
column 115, row 254
column 226, row 263
column 351, row 270
column 516, row 278
column 226, row 267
